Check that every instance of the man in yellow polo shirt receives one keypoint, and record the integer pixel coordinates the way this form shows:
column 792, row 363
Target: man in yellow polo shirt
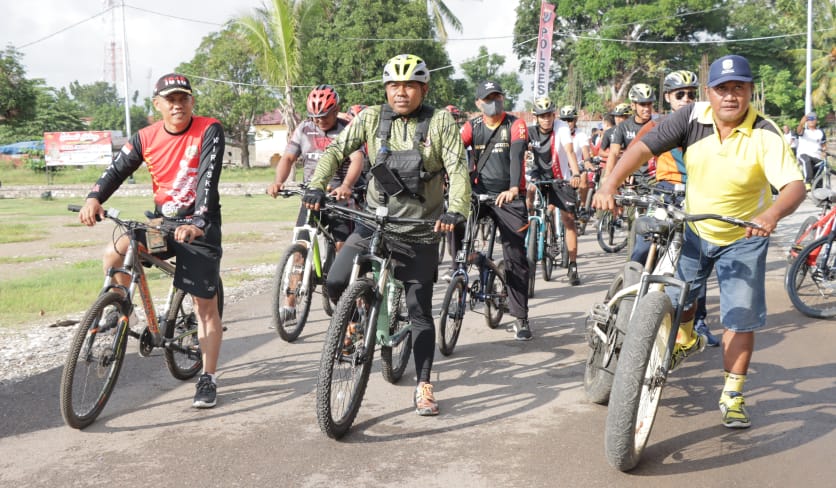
column 732, row 154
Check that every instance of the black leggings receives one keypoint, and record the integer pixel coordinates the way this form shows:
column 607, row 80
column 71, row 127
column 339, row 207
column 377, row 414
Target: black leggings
column 417, row 274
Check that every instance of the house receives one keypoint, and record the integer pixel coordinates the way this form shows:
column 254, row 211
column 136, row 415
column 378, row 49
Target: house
column 270, row 136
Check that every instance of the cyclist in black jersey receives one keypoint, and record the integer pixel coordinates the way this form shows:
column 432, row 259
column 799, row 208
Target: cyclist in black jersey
column 642, row 97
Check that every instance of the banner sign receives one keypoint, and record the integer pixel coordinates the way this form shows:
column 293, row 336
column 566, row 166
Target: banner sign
column 78, row 148
column 544, row 50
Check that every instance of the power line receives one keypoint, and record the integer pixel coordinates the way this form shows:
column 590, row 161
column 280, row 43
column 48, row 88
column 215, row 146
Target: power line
column 66, row 28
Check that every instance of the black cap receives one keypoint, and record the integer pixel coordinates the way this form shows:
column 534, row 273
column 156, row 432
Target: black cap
column 485, row 88
column 171, row 83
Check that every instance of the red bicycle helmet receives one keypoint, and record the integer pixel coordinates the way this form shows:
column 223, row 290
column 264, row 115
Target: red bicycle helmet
column 321, row 100
column 355, row 110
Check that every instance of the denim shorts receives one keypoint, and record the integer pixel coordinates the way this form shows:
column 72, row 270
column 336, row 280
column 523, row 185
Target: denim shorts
column 741, row 274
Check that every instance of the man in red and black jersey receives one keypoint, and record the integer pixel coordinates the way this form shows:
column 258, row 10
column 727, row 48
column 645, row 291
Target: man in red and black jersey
column 183, row 154
column 489, row 137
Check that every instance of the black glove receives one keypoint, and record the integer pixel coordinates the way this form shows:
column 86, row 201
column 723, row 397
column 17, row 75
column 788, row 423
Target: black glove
column 314, row 196
column 451, row 218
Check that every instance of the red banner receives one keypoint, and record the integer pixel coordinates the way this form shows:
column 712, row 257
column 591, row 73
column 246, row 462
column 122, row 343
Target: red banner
column 544, row 50
column 77, row 148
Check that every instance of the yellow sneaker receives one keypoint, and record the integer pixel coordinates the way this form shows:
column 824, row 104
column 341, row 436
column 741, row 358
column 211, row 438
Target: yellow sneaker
column 425, row 404
column 734, row 412
column 682, row 351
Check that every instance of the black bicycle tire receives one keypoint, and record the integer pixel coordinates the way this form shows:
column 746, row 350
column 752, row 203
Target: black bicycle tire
column 792, row 284
column 623, row 441
column 395, row 360
column 303, row 304
column 604, row 225
column 446, row 345
column 495, row 311
column 80, row 420
column 332, row 352
column 531, row 255
column 548, row 251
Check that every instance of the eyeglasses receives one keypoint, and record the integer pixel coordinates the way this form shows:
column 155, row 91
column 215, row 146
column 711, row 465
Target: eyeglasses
column 692, row 94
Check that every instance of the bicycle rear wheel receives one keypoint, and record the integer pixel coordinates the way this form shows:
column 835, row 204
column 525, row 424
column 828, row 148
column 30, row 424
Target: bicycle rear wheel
column 603, row 355
column 612, row 232
column 290, row 307
column 531, row 254
column 95, row 359
column 811, row 280
column 550, row 244
column 496, row 295
column 451, row 316
column 638, row 382
column 346, row 361
column 395, row 359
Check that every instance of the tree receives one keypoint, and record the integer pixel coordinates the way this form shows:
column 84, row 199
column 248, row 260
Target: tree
column 223, row 55
column 53, row 111
column 342, row 43
column 17, row 94
column 100, row 102
column 486, row 67
column 440, row 13
column 271, row 33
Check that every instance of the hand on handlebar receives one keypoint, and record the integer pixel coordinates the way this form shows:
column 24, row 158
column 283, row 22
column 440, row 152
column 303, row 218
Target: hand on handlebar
column 274, row 189
column 342, row 193
column 767, row 224
column 91, row 212
column 187, row 233
column 314, row 199
column 507, row 196
column 604, row 199
column 447, row 221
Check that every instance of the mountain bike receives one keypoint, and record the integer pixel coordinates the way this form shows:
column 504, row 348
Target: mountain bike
column 821, row 174
column 98, row 347
column 489, row 288
column 614, row 229
column 372, row 311
column 545, row 239
column 647, row 349
column 585, row 212
column 811, row 278
column 301, row 269
column 814, row 226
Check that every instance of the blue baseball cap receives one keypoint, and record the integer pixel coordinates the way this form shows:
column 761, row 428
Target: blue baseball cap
column 729, row 68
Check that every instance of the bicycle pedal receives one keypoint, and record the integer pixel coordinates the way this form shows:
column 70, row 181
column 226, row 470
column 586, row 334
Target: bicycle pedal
column 146, row 343
column 600, row 313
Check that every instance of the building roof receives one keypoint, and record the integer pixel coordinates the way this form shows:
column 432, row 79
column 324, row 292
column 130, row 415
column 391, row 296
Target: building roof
column 270, row 118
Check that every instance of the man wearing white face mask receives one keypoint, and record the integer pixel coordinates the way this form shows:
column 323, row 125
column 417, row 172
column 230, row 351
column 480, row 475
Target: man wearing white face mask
column 489, row 137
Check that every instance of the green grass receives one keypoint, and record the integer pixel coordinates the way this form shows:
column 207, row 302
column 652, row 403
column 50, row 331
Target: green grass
column 23, row 259
column 20, row 232
column 11, row 176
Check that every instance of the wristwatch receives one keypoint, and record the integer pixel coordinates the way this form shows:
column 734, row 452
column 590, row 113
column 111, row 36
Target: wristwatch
column 198, row 222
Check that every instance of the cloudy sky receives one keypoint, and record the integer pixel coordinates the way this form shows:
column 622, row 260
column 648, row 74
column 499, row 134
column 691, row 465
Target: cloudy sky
column 67, row 40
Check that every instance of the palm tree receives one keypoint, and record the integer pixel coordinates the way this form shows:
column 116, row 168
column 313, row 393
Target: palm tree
column 272, row 33
column 440, row 14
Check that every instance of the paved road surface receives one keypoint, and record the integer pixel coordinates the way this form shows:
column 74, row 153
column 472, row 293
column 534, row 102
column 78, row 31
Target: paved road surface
column 513, row 414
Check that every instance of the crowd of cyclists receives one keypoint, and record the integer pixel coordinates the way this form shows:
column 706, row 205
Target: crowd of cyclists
column 442, row 157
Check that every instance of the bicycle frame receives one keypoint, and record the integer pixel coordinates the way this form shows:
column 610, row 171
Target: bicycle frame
column 313, row 259
column 464, row 254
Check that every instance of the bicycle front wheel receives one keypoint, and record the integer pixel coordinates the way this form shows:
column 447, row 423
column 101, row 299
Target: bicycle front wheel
column 550, row 244
column 94, row 360
column 290, row 305
column 496, row 296
column 811, row 280
column 346, row 361
column 612, row 232
column 395, row 359
column 638, row 382
column 531, row 254
column 451, row 316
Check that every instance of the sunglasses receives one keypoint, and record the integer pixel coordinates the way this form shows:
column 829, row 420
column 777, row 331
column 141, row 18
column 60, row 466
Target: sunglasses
column 692, row 94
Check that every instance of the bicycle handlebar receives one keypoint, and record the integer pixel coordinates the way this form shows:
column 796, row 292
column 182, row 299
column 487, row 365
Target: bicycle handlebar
column 167, row 226
column 374, row 217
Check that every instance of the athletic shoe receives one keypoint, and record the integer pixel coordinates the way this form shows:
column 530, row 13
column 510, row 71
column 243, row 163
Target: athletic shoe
column 287, row 314
column 353, row 337
column 425, row 404
column 522, row 332
column 734, row 412
column 572, row 274
column 682, row 351
column 701, row 328
column 206, row 392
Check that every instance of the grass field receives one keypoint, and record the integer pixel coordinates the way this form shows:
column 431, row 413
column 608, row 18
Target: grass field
column 59, row 287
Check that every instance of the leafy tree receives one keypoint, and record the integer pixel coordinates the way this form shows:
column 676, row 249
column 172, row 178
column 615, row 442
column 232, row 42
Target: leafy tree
column 17, row 94
column 486, row 67
column 224, row 55
column 340, row 48
column 100, row 101
column 54, row 111
column 440, row 13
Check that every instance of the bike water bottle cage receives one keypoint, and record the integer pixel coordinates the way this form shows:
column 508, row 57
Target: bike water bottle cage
column 406, row 166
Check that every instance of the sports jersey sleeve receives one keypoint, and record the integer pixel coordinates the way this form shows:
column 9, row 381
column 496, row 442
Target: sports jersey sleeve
column 618, row 135
column 455, row 163
column 294, row 146
column 124, row 164
column 670, row 132
column 207, row 199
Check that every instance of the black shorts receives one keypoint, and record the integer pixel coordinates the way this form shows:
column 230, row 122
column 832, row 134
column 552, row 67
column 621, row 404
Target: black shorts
column 340, row 228
column 552, row 199
column 198, row 265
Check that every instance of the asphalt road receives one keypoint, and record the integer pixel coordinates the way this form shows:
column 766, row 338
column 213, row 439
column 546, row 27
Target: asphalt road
column 512, row 414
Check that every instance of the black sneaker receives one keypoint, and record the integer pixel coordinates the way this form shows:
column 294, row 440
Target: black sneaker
column 572, row 274
column 522, row 332
column 206, row 394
